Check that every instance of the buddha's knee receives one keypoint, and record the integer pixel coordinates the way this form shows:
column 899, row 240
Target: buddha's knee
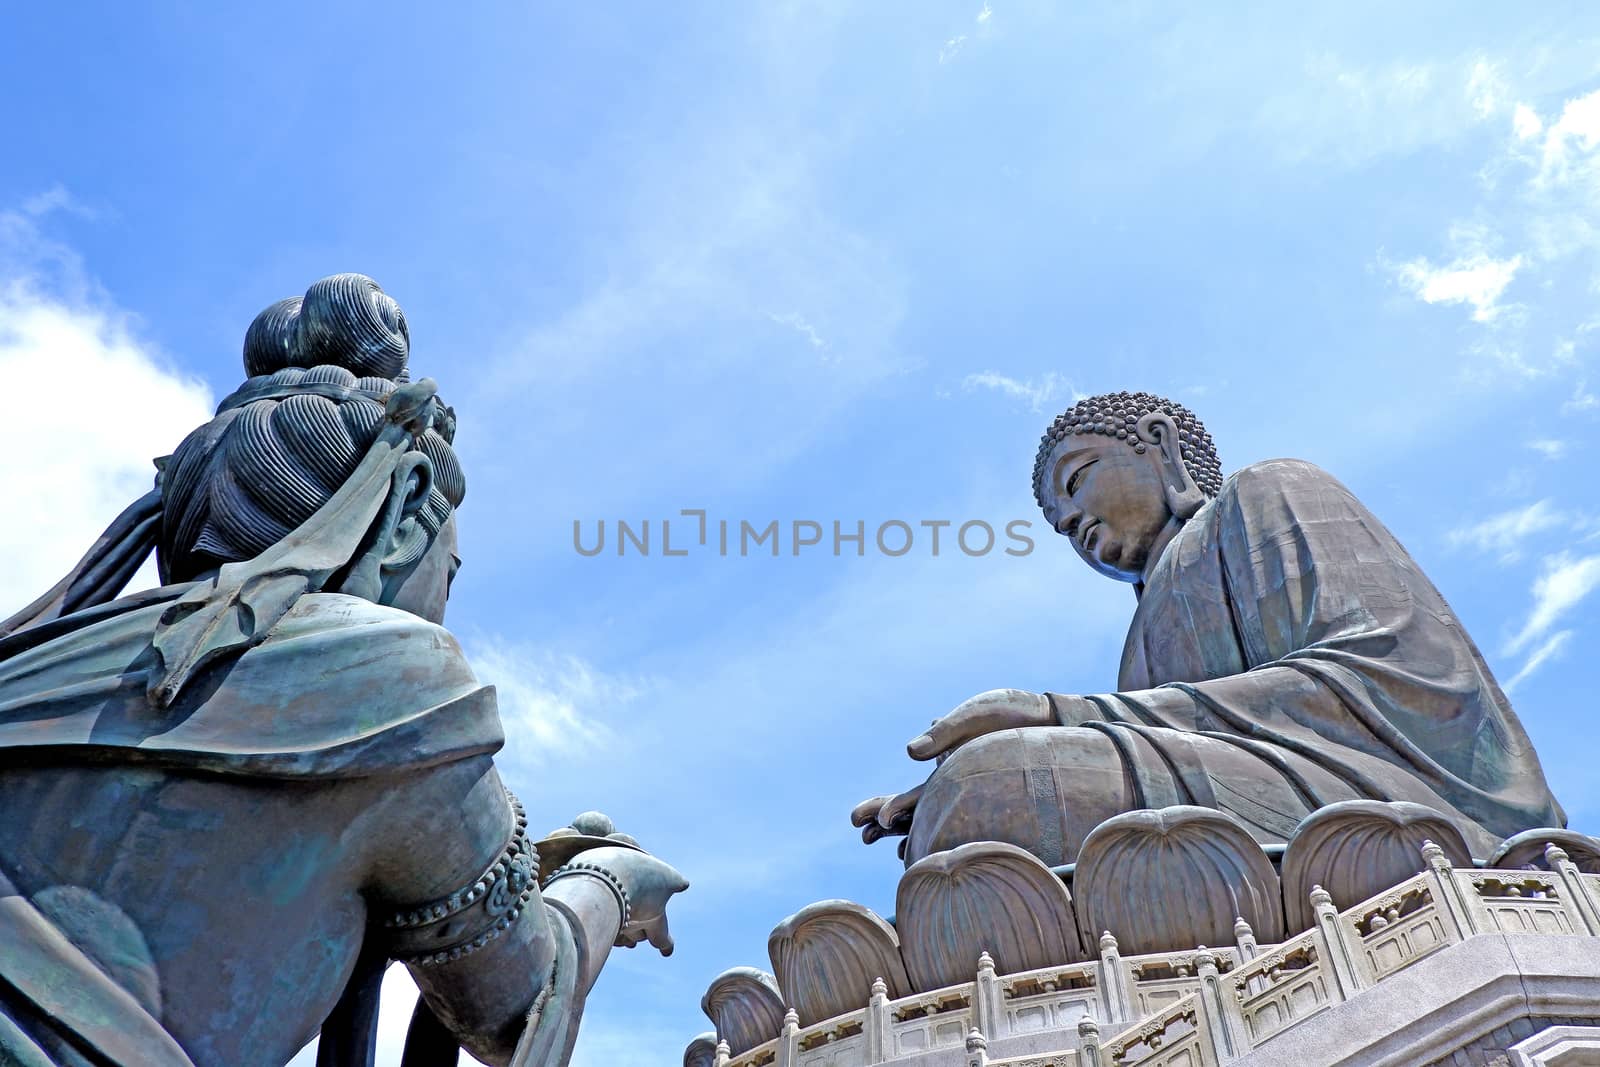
column 1040, row 788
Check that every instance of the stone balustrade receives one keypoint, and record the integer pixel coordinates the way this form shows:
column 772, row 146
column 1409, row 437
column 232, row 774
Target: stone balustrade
column 1196, row 1008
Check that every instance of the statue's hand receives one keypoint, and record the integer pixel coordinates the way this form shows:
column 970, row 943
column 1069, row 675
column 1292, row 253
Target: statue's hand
column 886, row 816
column 649, row 883
column 986, row 713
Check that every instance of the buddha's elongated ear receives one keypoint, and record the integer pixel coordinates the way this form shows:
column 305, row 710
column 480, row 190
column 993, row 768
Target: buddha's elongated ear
column 1183, row 496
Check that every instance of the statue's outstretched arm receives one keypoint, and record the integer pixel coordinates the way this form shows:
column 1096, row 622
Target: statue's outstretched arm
column 499, row 962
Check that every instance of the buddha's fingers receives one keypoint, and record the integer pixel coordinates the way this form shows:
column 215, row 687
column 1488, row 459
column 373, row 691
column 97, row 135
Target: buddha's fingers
column 895, row 815
column 866, row 812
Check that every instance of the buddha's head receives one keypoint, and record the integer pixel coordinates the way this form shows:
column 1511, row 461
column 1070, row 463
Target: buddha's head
column 1117, row 473
column 321, row 369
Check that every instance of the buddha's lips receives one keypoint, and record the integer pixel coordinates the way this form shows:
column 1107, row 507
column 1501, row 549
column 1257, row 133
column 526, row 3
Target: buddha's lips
column 1084, row 530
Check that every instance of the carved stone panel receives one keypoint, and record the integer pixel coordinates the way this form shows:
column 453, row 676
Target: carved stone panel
column 827, row 955
column 982, row 897
column 745, row 1006
column 1169, row 879
column 1356, row 849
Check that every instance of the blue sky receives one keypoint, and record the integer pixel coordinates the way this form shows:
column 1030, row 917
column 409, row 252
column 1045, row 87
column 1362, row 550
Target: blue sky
column 830, row 262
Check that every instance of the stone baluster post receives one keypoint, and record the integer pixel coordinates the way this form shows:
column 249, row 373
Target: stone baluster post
column 1219, row 1010
column 789, row 1040
column 724, row 1054
column 977, row 1048
column 1342, row 956
column 986, row 1009
column 1089, row 1044
column 1580, row 906
column 1113, row 982
column 1460, row 913
column 1244, row 938
column 877, row 1023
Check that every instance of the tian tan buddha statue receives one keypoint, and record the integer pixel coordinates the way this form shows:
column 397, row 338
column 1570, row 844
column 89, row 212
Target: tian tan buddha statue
column 228, row 802
column 1286, row 654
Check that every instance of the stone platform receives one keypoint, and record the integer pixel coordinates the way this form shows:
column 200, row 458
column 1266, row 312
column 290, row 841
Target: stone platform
column 1455, row 965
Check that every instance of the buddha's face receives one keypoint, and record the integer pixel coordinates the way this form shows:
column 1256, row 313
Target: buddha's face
column 1109, row 500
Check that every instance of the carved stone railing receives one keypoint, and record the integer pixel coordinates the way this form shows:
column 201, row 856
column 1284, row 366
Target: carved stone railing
column 1202, row 1007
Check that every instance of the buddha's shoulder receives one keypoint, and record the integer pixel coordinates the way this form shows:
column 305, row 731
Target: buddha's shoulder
column 1276, row 476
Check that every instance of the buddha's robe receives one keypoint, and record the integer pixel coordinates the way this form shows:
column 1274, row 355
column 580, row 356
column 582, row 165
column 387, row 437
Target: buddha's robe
column 340, row 689
column 1286, row 653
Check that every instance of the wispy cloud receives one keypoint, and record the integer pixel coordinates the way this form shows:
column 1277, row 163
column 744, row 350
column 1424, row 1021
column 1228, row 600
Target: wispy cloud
column 1543, row 654
column 1565, row 582
column 1581, row 400
column 952, row 46
column 552, row 704
column 1540, row 188
column 1549, row 447
column 797, row 322
column 1506, row 533
column 1038, row 395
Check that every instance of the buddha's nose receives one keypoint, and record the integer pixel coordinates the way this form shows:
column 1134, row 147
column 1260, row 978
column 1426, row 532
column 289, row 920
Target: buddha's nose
column 1068, row 523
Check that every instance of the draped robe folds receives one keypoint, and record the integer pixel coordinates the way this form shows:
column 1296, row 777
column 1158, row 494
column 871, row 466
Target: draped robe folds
column 340, row 688
column 1286, row 653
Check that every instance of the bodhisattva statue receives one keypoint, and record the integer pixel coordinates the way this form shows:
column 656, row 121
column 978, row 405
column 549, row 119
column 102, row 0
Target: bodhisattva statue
column 226, row 803
column 1286, row 653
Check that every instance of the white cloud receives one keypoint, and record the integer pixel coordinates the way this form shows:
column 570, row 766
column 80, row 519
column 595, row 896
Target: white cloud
column 1506, row 532
column 1038, row 395
column 1565, row 582
column 986, row 14
column 95, row 404
column 1536, row 223
column 1575, row 133
column 552, row 704
column 952, row 48
column 1486, row 87
column 1477, row 279
column 1549, row 447
column 1540, row 656
column 1525, row 123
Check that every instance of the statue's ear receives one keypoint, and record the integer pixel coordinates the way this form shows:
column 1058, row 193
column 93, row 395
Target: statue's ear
column 406, row 541
column 397, row 540
column 1183, row 496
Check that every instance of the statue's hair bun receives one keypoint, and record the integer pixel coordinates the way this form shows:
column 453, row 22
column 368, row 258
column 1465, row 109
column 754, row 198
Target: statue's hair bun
column 345, row 320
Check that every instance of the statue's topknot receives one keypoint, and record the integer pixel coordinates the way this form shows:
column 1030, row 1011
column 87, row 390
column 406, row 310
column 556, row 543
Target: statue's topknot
column 1117, row 415
column 322, row 368
column 345, row 320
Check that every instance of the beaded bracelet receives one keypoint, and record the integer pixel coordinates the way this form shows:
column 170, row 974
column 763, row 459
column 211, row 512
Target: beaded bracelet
column 577, row 867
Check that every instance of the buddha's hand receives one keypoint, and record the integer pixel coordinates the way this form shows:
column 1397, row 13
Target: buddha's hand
column 986, row 713
column 886, row 816
column 649, row 883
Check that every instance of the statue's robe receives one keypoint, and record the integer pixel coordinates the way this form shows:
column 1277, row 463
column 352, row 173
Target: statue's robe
column 1286, row 653
column 340, row 688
